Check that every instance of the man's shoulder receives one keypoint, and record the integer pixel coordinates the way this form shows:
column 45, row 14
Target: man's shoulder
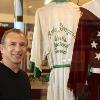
column 1, row 68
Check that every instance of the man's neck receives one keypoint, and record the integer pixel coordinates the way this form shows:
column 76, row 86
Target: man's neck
column 13, row 67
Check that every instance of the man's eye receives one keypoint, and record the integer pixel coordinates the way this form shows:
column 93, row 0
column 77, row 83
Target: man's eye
column 23, row 45
column 13, row 44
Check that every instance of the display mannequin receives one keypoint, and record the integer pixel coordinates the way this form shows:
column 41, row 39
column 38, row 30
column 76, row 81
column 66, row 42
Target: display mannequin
column 53, row 38
column 86, row 54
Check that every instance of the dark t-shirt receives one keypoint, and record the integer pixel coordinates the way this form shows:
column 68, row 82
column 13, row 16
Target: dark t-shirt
column 14, row 86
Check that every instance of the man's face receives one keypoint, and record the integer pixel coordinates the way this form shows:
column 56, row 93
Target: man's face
column 15, row 48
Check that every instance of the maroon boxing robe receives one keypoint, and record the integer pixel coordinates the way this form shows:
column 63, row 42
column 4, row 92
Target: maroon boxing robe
column 86, row 55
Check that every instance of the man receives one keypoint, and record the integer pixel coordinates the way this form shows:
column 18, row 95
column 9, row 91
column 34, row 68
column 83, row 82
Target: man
column 14, row 83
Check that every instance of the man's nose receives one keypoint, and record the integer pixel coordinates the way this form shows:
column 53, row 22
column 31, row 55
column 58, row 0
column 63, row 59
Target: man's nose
column 18, row 47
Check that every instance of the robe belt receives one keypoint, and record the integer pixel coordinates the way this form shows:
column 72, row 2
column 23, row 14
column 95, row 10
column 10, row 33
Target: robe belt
column 95, row 70
column 61, row 66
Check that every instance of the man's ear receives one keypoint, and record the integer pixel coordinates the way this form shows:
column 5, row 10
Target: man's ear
column 1, row 48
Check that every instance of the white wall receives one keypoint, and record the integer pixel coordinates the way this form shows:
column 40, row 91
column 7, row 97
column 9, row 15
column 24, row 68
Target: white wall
column 10, row 18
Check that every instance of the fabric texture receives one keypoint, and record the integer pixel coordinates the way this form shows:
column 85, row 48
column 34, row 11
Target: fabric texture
column 54, row 35
column 86, row 54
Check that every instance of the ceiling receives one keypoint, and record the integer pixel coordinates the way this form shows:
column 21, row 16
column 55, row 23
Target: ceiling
column 7, row 6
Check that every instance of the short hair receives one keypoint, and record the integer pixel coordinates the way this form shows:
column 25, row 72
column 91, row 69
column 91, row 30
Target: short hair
column 18, row 31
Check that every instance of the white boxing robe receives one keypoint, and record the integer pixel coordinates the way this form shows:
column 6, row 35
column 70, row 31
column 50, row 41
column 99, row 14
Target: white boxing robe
column 54, row 34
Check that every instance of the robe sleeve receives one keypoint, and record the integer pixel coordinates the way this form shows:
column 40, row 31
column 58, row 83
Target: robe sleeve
column 79, row 65
column 36, row 51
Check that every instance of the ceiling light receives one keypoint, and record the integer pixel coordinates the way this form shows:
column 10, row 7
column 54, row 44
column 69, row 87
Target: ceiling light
column 30, row 7
column 47, row 1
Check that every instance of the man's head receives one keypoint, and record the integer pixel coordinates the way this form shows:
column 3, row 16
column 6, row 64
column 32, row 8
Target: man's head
column 13, row 46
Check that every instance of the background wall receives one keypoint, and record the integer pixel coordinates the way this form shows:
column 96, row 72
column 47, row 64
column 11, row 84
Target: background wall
column 29, row 9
